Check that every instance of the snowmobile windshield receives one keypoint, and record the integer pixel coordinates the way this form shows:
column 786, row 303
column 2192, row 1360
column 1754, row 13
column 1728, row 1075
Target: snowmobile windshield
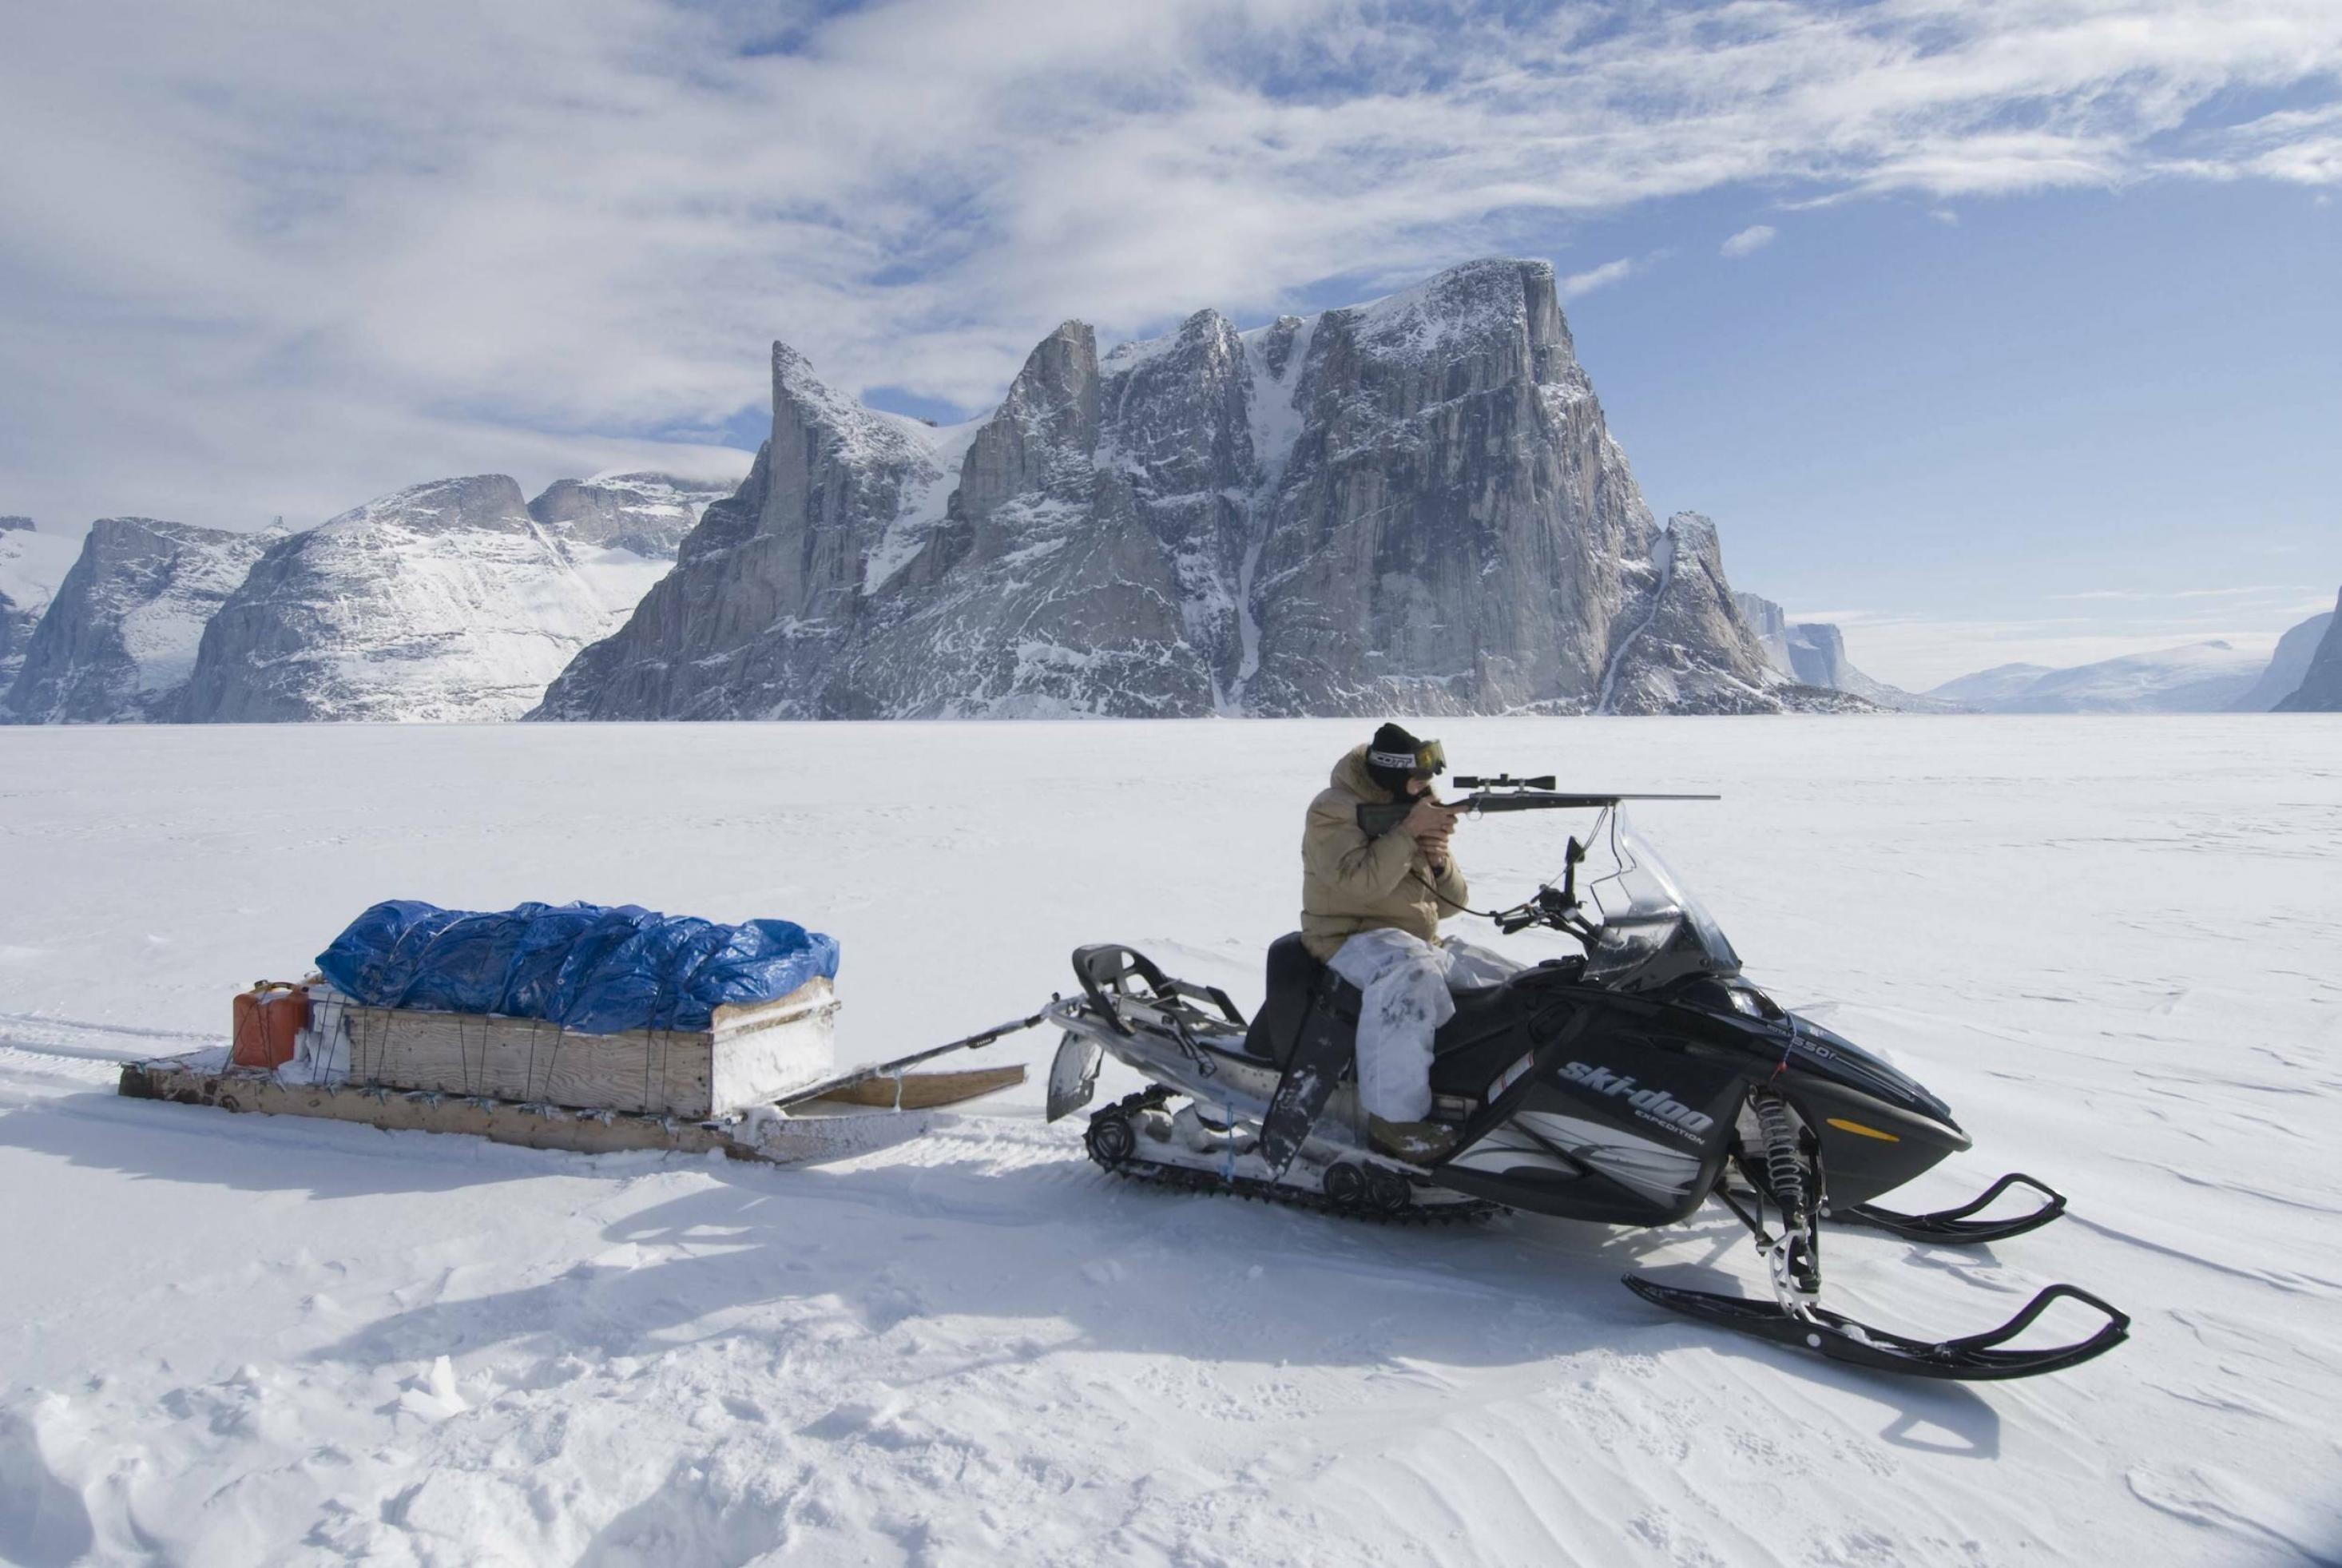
column 1651, row 931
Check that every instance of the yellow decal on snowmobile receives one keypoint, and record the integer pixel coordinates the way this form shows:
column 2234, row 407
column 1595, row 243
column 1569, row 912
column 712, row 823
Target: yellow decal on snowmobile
column 1845, row 1125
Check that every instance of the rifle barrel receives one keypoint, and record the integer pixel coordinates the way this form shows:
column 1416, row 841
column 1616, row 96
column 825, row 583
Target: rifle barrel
column 1538, row 800
column 1377, row 820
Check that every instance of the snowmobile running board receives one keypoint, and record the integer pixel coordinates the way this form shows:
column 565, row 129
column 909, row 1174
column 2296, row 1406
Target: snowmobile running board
column 1978, row 1357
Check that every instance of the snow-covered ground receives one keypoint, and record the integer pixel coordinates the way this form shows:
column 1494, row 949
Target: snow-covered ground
column 2109, row 942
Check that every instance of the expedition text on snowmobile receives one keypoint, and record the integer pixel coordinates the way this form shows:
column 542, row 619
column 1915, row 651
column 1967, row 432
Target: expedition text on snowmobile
column 1625, row 1086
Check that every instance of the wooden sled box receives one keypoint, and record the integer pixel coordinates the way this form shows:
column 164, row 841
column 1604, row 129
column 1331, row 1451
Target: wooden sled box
column 748, row 1056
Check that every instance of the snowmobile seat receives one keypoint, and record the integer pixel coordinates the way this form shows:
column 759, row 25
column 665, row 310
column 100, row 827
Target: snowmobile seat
column 1480, row 1010
column 1299, row 989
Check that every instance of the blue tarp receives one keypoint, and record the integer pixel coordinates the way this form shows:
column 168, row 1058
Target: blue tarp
column 588, row 967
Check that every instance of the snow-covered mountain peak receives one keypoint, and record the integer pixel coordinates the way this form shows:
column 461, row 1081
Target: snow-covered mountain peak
column 1461, row 310
column 860, row 434
column 444, row 601
column 647, row 514
column 1039, row 446
column 1205, row 325
column 120, row 637
column 477, row 500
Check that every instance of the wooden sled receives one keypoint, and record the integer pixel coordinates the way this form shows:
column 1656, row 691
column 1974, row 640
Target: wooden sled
column 856, row 1117
column 866, row 1108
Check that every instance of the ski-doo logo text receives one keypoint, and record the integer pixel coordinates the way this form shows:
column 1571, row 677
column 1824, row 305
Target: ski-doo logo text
column 1656, row 1105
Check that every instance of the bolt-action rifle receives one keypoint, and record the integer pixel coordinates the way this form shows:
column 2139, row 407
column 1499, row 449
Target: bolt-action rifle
column 1502, row 792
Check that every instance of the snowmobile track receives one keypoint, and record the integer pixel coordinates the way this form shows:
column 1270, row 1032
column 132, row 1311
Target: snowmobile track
column 1185, row 1178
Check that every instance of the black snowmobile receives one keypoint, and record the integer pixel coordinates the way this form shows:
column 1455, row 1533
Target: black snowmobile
column 1625, row 1086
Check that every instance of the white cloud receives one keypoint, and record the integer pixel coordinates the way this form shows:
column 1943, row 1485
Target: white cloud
column 1573, row 284
column 1749, row 241
column 258, row 255
column 1945, row 216
column 2284, row 590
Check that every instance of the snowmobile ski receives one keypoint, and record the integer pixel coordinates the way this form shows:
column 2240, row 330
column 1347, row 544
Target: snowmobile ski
column 1978, row 1357
column 1954, row 1225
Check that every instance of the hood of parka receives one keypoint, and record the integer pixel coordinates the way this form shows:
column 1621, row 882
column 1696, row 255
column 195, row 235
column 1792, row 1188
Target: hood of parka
column 1350, row 774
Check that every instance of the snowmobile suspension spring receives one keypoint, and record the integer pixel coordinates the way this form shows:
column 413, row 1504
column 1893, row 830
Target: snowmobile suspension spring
column 1783, row 1172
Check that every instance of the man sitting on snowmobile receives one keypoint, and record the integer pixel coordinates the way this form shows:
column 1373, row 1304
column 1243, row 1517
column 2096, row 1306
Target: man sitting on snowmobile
column 1371, row 908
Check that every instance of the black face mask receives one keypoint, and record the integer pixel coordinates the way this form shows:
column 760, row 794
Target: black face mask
column 1430, row 759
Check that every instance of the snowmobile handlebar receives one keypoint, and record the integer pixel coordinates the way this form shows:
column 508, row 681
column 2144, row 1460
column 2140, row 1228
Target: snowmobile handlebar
column 1554, row 907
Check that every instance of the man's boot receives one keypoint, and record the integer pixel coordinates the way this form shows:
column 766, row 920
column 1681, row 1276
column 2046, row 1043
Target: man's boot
column 1417, row 1143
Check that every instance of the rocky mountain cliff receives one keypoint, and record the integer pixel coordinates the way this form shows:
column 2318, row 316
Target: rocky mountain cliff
column 17, row 626
column 32, row 566
column 1813, row 653
column 1408, row 506
column 646, row 515
column 444, row 601
column 2289, row 665
column 621, row 531
column 119, row 640
column 2320, row 691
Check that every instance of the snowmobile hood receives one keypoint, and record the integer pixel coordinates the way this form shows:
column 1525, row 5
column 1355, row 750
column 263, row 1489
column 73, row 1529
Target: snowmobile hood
column 1835, row 1056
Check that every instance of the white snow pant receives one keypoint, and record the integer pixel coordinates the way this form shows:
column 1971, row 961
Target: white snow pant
column 1407, row 980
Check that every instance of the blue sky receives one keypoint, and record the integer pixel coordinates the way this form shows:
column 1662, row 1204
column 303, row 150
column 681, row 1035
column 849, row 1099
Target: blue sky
column 2027, row 347
column 2098, row 420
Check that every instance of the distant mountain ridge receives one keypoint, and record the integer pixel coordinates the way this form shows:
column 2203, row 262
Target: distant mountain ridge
column 2198, row 677
column 32, row 566
column 119, row 638
column 1813, row 653
column 451, row 600
column 1408, row 506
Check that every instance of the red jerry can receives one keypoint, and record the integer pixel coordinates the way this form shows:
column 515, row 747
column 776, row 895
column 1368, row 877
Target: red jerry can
column 268, row 1018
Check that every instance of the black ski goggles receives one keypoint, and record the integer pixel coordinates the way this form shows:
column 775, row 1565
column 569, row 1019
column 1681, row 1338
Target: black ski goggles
column 1427, row 761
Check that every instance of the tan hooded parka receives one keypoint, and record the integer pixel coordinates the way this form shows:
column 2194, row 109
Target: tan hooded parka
column 1350, row 883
